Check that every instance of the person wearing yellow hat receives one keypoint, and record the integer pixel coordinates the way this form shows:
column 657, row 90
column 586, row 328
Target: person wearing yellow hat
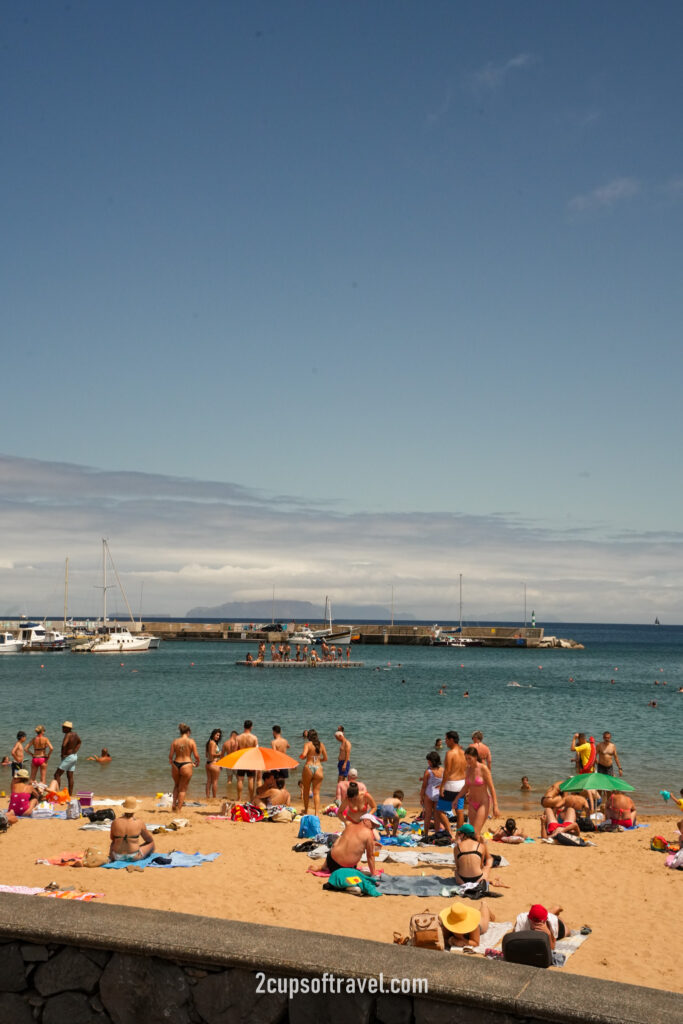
column 130, row 840
column 464, row 924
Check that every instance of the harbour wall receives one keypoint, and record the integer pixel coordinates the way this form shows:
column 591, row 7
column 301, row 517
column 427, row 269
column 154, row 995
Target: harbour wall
column 489, row 636
column 95, row 964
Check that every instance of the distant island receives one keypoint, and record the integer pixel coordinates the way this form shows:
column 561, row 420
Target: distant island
column 296, row 611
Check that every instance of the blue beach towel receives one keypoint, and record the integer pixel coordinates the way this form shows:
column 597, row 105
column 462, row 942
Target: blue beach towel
column 175, row 859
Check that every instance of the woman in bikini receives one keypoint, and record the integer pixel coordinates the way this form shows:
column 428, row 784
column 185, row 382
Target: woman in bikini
column 313, row 754
column 473, row 861
column 42, row 748
column 481, row 793
column 23, row 797
column 183, row 753
column 429, row 794
column 355, row 804
column 212, row 769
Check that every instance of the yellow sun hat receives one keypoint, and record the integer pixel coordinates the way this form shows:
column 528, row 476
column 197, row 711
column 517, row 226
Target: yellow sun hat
column 460, row 919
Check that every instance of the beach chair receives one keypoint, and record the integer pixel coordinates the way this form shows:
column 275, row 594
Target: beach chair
column 531, row 948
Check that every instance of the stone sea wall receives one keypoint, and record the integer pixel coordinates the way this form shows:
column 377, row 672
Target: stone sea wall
column 82, row 963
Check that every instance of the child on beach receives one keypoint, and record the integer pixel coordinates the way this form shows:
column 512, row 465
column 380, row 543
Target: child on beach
column 509, row 833
column 388, row 811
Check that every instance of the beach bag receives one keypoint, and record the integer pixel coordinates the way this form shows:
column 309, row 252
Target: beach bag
column 73, row 809
column 660, row 844
column 4, row 822
column 586, row 825
column 426, row 931
column 93, row 858
column 284, row 814
column 527, row 947
column 566, row 840
column 309, row 826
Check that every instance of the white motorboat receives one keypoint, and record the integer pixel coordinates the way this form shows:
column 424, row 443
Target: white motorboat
column 9, row 643
column 35, row 637
column 302, row 636
column 154, row 641
column 328, row 635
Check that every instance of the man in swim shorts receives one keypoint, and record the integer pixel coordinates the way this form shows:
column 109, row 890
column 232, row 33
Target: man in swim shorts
column 451, row 797
column 356, row 839
column 244, row 740
column 71, row 744
column 607, row 755
column 280, row 744
column 344, row 763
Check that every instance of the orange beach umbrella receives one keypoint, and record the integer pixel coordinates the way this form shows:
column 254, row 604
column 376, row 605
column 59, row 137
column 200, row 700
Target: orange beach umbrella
column 259, row 759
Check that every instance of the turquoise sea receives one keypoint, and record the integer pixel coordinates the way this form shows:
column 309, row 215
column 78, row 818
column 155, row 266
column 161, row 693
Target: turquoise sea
column 390, row 708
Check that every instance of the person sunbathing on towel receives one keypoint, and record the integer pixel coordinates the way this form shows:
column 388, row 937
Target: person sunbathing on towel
column 268, row 794
column 509, row 833
column 130, row 840
column 558, row 819
column 621, row 810
column 356, row 839
column 538, row 919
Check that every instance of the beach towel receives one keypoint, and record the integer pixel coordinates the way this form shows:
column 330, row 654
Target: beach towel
column 63, row 860
column 410, row 885
column 352, row 880
column 175, row 859
column 67, row 894
column 491, row 939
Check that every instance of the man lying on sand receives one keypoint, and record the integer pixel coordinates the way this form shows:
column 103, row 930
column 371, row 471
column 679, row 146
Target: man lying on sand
column 356, row 839
column 558, row 819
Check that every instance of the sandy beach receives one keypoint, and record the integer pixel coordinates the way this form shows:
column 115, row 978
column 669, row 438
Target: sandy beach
column 620, row 888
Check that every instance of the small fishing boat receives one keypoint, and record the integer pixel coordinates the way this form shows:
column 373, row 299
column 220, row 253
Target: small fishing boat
column 35, row 637
column 9, row 643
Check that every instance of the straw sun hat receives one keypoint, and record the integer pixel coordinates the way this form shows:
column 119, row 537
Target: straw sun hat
column 460, row 919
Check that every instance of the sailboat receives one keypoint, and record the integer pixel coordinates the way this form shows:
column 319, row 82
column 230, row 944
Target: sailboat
column 328, row 633
column 657, row 622
column 113, row 638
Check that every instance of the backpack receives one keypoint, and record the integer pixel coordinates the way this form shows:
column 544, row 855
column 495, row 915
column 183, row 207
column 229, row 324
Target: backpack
column 309, row 826
column 426, row 931
column 585, row 824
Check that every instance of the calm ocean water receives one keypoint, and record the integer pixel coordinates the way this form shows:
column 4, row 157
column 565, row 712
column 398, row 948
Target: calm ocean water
column 390, row 709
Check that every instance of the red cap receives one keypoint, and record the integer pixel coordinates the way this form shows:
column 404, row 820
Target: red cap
column 538, row 913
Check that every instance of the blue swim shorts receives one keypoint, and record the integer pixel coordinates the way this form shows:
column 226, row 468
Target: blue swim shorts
column 68, row 763
column 343, row 768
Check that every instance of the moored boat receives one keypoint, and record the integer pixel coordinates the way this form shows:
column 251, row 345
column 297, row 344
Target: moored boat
column 9, row 644
column 35, row 637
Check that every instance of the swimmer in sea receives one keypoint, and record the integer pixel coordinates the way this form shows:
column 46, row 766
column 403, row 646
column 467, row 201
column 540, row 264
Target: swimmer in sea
column 526, row 785
column 182, row 754
column 103, row 758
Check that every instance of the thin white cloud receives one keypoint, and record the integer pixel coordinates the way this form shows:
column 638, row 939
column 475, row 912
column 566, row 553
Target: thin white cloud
column 673, row 188
column 190, row 542
column 606, row 196
column 491, row 76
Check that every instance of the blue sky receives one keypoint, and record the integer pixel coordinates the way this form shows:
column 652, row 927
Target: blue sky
column 399, row 263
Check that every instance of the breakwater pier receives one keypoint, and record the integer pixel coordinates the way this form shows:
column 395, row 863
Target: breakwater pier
column 399, row 634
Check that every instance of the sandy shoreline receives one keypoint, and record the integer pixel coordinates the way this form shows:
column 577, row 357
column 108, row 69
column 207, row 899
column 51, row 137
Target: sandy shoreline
column 259, row 878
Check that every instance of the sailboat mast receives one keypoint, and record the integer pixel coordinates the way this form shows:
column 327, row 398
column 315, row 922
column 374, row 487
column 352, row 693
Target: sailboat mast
column 104, row 582
column 66, row 590
column 461, row 604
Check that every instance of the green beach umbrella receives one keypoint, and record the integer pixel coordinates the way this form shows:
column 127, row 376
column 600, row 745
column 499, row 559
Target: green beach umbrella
column 595, row 780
